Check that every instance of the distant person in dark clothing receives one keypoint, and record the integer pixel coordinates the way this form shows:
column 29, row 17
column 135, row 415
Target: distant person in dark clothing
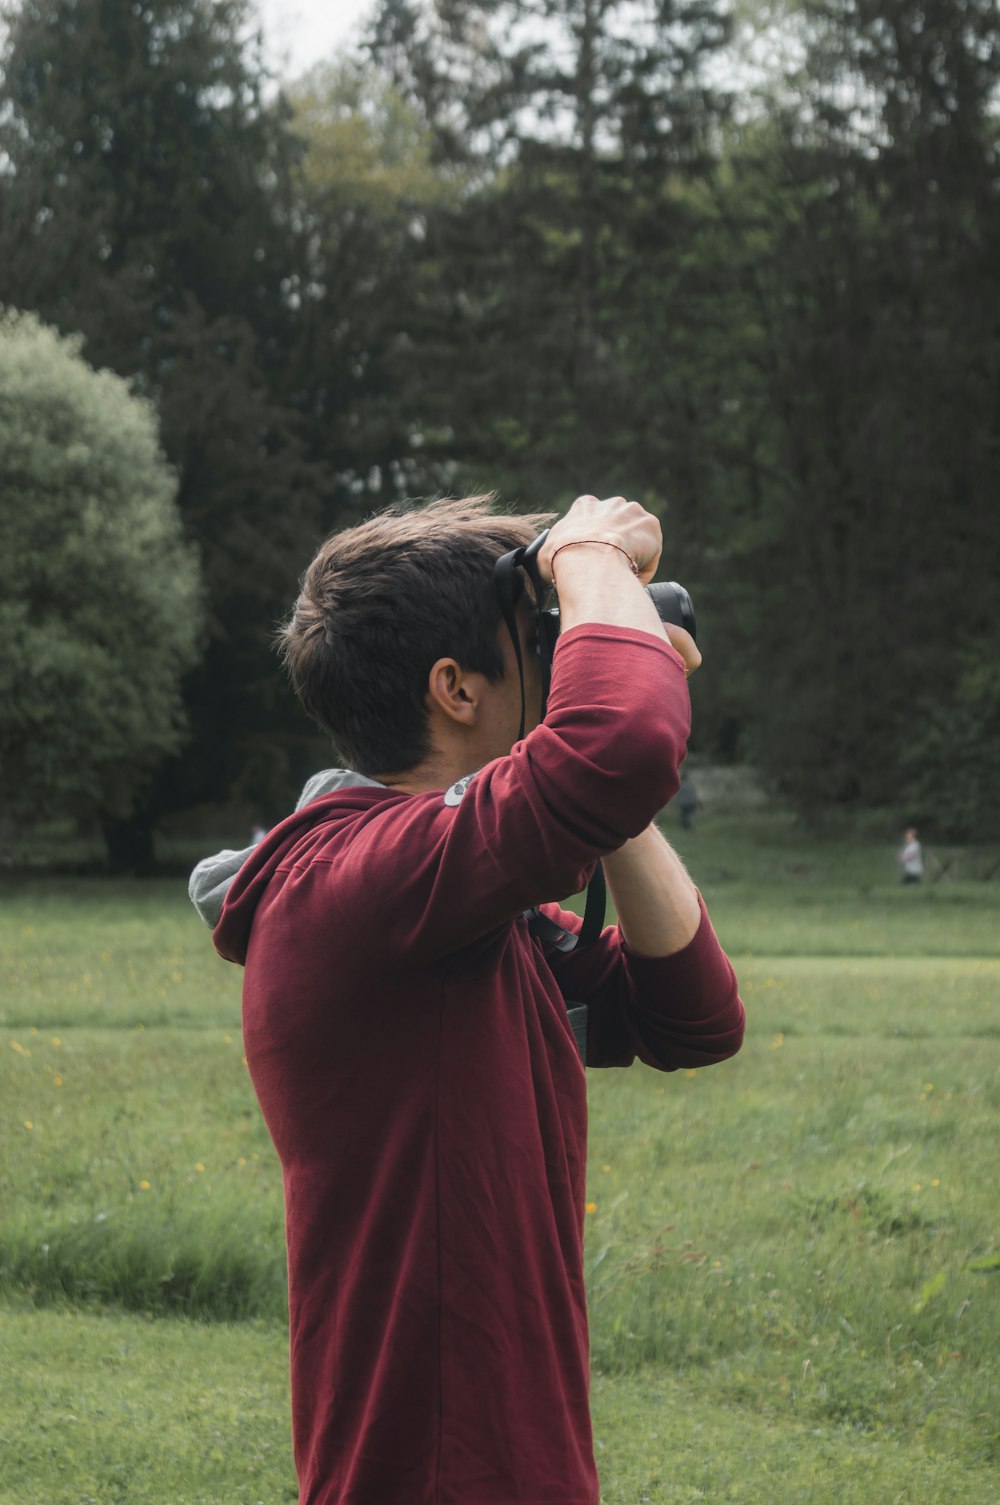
column 911, row 857
column 687, row 802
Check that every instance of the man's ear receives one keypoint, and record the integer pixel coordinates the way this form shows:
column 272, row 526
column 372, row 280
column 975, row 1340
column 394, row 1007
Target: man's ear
column 454, row 691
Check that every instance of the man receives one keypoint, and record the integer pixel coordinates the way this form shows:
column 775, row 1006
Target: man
column 406, row 1028
column 687, row 803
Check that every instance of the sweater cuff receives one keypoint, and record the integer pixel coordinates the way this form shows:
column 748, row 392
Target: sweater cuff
column 608, row 632
column 693, row 977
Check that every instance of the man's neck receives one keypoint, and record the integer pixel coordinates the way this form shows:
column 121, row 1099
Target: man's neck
column 436, row 773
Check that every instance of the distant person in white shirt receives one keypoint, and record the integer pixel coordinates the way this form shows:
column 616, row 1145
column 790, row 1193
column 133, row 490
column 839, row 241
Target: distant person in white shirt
column 911, row 857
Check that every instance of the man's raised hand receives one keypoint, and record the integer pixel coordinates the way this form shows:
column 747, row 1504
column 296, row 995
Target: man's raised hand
column 614, row 520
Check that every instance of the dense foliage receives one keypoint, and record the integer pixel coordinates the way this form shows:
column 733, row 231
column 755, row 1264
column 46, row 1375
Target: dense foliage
column 146, row 204
column 100, row 601
column 559, row 247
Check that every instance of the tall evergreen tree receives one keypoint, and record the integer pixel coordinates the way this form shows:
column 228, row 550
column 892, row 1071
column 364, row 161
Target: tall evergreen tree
column 367, row 189
column 572, row 116
column 857, row 524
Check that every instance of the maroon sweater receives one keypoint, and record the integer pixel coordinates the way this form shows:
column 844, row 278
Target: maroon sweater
column 408, row 1042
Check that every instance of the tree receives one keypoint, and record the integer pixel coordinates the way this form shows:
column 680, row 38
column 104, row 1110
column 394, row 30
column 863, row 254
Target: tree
column 144, row 172
column 367, row 187
column 100, row 597
column 146, row 200
column 572, row 118
column 862, row 237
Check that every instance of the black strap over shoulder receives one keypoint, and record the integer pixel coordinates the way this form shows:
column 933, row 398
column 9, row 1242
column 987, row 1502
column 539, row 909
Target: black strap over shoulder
column 558, row 936
column 509, row 589
column 506, row 582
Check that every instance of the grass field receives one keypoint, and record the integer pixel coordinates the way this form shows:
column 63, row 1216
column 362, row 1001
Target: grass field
column 794, row 1258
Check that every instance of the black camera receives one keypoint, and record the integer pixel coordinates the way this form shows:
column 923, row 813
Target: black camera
column 673, row 604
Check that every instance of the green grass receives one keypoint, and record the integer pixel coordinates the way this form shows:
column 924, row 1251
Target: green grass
column 97, row 1409
column 804, row 1234
column 115, row 952
column 793, row 1259
column 138, row 1171
column 109, row 1410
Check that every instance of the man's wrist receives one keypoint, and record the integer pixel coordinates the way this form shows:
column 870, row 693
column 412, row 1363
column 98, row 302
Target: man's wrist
column 596, row 583
column 591, row 543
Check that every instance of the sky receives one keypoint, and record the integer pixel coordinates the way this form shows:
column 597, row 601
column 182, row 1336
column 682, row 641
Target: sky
column 299, row 33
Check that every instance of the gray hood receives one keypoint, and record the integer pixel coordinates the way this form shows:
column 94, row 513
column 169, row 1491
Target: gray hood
column 209, row 883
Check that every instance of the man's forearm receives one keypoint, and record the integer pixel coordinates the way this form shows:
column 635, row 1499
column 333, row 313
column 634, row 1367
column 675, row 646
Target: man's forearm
column 595, row 584
column 656, row 901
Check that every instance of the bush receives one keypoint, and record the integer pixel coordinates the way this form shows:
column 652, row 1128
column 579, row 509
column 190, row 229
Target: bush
column 100, row 603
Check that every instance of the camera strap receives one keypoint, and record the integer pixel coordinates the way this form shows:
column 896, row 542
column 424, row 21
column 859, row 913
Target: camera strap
column 557, row 936
column 509, row 588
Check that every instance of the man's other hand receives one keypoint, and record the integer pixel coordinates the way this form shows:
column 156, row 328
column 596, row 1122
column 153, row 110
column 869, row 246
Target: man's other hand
column 686, row 646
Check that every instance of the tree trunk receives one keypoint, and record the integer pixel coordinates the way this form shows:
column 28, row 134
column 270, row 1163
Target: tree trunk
column 586, row 330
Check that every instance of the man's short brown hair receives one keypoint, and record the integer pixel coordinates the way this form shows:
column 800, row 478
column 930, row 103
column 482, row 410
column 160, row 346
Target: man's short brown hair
column 380, row 604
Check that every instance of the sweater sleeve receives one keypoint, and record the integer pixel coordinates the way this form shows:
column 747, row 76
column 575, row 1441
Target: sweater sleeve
column 443, row 872
column 670, row 1011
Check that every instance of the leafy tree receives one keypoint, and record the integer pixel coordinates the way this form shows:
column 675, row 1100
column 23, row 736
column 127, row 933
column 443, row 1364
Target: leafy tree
column 100, row 597
column 146, row 200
